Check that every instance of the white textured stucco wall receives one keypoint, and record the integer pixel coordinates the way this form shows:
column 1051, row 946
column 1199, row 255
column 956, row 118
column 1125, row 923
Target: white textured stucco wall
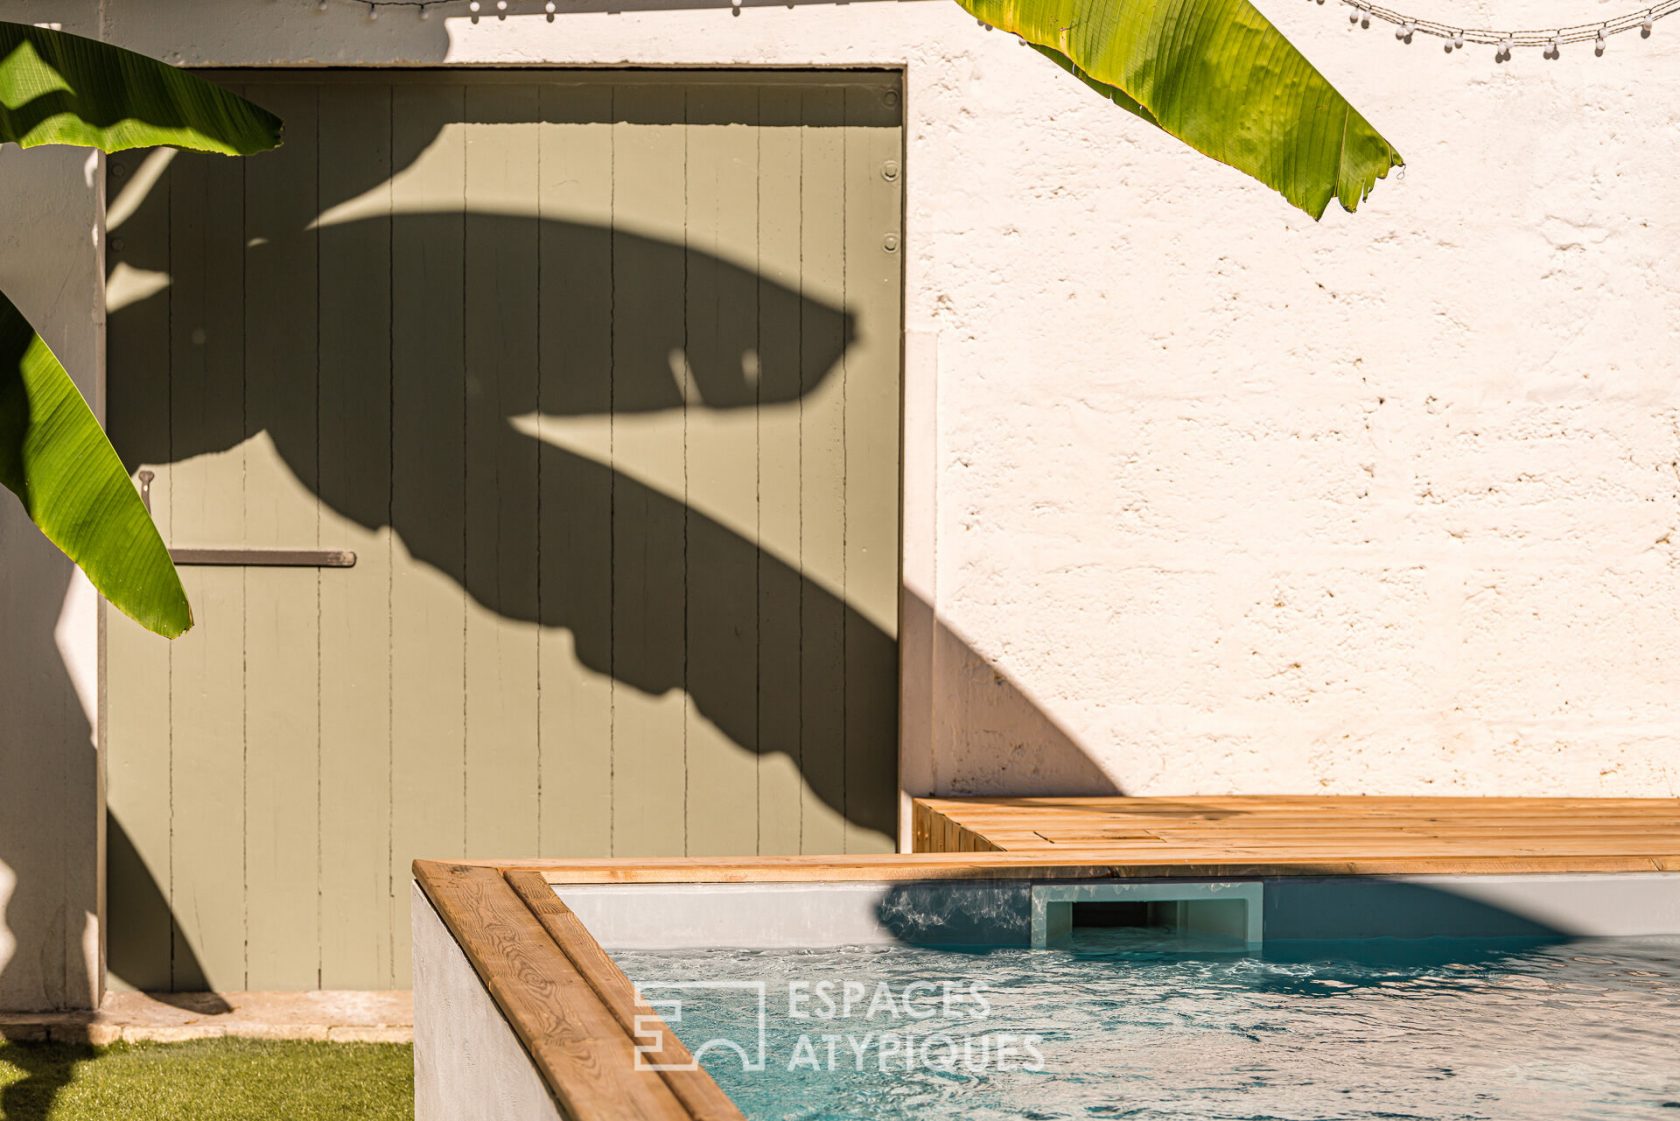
column 1226, row 499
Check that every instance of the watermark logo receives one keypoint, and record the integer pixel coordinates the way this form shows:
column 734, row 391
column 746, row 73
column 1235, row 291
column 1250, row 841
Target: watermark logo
column 924, row 1025
column 650, row 1033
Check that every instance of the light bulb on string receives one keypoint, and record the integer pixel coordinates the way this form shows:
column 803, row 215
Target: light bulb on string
column 373, row 11
column 1549, row 40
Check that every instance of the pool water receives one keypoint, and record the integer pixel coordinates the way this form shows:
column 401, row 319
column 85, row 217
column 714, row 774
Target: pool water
column 1119, row 1027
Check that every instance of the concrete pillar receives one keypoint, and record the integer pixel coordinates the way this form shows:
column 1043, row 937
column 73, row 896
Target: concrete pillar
column 52, row 805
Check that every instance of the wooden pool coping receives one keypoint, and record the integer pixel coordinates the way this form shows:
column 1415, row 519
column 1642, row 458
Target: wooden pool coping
column 576, row 1012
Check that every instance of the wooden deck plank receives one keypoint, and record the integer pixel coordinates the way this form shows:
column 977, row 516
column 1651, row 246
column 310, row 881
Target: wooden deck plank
column 1284, row 835
column 1069, row 863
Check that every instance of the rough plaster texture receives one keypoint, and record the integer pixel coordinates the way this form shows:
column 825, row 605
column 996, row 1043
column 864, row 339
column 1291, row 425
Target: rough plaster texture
column 1213, row 498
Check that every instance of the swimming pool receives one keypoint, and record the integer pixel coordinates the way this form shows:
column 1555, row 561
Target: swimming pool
column 991, row 985
column 1118, row 1026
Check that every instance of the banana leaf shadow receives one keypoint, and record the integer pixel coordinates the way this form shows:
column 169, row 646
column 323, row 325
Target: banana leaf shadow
column 47, row 1070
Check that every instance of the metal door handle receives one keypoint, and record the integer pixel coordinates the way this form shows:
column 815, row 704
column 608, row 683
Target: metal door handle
column 251, row 558
column 266, row 558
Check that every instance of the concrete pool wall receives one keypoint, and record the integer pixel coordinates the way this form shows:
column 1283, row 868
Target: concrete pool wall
column 998, row 912
column 468, row 1063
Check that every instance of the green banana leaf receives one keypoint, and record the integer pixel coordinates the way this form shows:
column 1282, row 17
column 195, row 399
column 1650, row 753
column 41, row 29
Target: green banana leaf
column 58, row 88
column 1217, row 75
column 56, row 459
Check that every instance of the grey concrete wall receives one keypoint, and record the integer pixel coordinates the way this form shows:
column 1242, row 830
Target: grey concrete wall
column 468, row 1063
column 776, row 916
column 51, row 802
column 1608, row 906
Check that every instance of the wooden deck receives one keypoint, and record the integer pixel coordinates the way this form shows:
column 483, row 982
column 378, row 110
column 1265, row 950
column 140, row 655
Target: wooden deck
column 1288, row 835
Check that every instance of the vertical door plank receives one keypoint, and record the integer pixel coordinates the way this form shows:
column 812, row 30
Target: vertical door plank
column 355, row 434
column 574, row 483
column 282, row 606
column 501, row 469
column 780, row 781
column 138, row 662
column 207, row 503
column 428, row 478
column 721, row 521
column 872, row 466
column 650, row 384
column 824, row 330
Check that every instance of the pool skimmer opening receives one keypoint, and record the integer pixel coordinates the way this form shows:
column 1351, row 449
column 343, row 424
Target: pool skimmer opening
column 1212, row 910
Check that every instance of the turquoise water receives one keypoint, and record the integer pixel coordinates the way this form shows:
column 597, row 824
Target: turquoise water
column 1424, row 1029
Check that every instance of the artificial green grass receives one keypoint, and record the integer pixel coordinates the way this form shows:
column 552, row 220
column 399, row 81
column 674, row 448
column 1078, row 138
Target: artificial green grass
column 207, row 1080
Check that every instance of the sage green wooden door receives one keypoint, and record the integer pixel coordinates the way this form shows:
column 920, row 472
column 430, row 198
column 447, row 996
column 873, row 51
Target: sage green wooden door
column 597, row 375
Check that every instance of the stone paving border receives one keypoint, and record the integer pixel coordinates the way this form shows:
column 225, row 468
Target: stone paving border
column 334, row 1016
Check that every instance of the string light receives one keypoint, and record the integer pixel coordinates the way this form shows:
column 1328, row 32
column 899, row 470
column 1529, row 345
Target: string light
column 1361, row 12
column 1549, row 40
